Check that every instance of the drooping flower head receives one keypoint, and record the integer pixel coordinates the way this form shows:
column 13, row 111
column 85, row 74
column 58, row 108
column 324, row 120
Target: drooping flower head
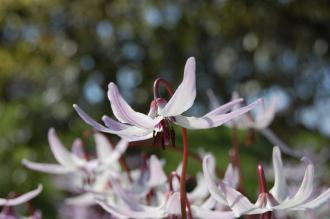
column 133, row 126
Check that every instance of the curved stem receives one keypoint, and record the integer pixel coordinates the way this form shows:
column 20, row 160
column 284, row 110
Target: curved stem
column 183, row 195
column 166, row 84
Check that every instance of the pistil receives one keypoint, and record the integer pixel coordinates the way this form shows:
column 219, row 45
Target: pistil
column 262, row 179
column 264, row 195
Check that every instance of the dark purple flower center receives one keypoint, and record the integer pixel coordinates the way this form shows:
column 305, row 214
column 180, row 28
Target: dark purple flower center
column 164, row 133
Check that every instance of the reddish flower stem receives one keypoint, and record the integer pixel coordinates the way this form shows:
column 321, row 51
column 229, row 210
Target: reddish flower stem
column 183, row 194
column 166, row 84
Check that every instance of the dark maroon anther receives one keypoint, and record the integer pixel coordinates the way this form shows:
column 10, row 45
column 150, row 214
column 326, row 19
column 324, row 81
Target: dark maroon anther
column 262, row 179
column 172, row 137
column 166, row 132
column 162, row 142
column 154, row 140
column 149, row 196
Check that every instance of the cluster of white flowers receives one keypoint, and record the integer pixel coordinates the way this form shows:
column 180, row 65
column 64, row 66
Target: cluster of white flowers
column 143, row 190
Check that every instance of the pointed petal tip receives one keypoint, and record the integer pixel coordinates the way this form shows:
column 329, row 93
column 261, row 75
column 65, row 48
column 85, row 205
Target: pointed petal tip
column 104, row 117
column 276, row 149
column 40, row 187
column 51, row 131
column 191, row 59
column 306, row 160
column 25, row 162
column 112, row 85
column 74, row 105
column 260, row 101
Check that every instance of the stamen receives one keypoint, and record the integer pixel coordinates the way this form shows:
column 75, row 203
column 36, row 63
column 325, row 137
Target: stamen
column 172, row 137
column 162, row 140
column 166, row 132
column 262, row 179
column 154, row 140
column 149, row 196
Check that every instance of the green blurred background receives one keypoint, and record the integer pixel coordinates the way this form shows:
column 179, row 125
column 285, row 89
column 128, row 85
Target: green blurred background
column 54, row 53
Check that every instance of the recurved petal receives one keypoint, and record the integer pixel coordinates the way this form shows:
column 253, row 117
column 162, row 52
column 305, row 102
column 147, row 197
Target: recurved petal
column 231, row 176
column 113, row 124
column 173, row 204
column 124, row 113
column 46, row 168
column 225, row 107
column 226, row 195
column 185, row 94
column 305, row 190
column 130, row 133
column 212, row 121
column 208, row 165
column 22, row 198
column 316, row 202
column 78, row 151
column 61, row 154
column 264, row 118
column 116, row 153
column 85, row 199
column 157, row 174
column 200, row 192
column 84, row 116
column 103, row 146
column 214, row 102
column 279, row 190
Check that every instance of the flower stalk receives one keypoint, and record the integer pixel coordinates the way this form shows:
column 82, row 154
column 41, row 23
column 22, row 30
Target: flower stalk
column 183, row 194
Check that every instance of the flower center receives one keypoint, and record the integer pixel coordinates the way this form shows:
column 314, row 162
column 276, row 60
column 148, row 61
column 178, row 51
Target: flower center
column 164, row 133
